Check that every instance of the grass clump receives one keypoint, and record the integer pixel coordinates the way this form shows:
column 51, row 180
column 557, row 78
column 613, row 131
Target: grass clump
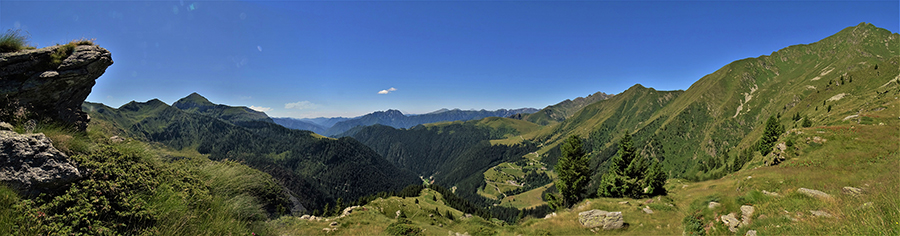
column 13, row 41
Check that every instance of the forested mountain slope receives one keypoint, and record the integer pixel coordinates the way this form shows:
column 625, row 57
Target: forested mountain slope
column 317, row 170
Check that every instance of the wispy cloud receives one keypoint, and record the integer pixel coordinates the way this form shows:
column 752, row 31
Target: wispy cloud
column 387, row 91
column 301, row 105
column 261, row 109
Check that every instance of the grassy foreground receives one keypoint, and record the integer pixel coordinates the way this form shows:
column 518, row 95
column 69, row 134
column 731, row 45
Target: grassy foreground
column 135, row 188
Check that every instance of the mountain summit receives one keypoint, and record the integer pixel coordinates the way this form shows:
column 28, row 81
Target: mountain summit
column 199, row 104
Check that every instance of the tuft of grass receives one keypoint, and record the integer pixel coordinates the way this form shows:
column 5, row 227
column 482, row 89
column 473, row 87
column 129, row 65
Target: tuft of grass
column 13, row 41
column 62, row 53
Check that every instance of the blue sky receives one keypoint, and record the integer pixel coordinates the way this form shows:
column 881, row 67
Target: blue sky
column 349, row 58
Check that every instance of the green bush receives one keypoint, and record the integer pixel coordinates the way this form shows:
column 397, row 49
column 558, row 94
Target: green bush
column 13, row 40
column 404, row 227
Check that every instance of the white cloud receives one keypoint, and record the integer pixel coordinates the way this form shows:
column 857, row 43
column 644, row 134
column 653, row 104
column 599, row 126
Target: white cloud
column 386, row 91
column 261, row 109
column 301, row 105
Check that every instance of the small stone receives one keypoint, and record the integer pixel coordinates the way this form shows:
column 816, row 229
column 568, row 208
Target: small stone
column 771, row 194
column 647, row 210
column 731, row 221
column 852, row 191
column 304, row 217
column 750, row 233
column 814, row 193
column 820, row 214
column 623, row 203
column 116, row 139
column 746, row 213
column 713, row 205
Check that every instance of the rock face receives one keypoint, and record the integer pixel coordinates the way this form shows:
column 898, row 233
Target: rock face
column 598, row 218
column 30, row 164
column 51, row 82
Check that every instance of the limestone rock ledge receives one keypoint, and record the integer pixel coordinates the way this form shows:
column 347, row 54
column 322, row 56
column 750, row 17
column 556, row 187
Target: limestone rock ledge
column 48, row 88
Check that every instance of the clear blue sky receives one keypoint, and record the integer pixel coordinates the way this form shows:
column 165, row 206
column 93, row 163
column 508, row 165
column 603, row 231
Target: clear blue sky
column 311, row 59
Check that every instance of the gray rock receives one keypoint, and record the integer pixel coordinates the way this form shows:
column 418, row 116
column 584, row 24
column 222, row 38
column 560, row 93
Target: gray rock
column 852, row 191
column 777, row 154
column 599, row 218
column 647, row 210
column 771, row 194
column 731, row 221
column 116, row 139
column 746, row 213
column 750, row 233
column 348, row 210
column 30, row 164
column 814, row 193
column 33, row 83
column 820, row 214
column 713, row 205
column 6, row 126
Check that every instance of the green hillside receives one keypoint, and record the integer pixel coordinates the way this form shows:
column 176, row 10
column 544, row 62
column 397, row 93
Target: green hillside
column 722, row 114
column 307, row 164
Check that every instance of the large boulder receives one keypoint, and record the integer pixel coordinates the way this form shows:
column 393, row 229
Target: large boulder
column 598, row 218
column 30, row 164
column 51, row 82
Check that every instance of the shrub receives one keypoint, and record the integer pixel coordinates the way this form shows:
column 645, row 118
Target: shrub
column 403, row 227
column 13, row 40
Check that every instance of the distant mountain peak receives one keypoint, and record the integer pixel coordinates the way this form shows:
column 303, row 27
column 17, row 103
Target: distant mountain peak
column 192, row 100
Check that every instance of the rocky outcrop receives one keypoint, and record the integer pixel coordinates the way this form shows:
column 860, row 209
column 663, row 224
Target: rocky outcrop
column 601, row 219
column 30, row 164
column 777, row 155
column 52, row 82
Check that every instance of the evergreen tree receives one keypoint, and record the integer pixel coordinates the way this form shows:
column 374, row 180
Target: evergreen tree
column 655, row 180
column 770, row 135
column 806, row 121
column 631, row 175
column 573, row 170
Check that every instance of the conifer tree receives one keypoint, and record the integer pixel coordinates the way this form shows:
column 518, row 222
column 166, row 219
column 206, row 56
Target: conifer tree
column 573, row 170
column 631, row 175
column 770, row 135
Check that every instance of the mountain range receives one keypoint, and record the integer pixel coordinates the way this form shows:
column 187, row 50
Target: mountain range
column 393, row 118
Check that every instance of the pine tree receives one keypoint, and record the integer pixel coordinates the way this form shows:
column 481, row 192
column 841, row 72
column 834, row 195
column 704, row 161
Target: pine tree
column 770, row 135
column 655, row 180
column 573, row 170
column 631, row 175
